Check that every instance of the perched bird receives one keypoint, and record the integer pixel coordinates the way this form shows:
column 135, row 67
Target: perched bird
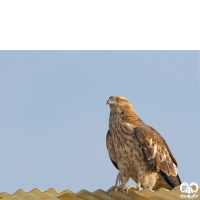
column 137, row 150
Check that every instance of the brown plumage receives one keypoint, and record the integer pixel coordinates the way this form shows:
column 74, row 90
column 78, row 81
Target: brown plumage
column 137, row 150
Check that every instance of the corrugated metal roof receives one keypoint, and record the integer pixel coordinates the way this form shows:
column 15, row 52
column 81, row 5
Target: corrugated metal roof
column 52, row 194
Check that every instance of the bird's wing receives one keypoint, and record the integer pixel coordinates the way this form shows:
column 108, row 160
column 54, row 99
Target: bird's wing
column 111, row 150
column 157, row 154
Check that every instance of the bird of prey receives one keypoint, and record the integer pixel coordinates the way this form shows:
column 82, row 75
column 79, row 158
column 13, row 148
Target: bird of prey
column 137, row 150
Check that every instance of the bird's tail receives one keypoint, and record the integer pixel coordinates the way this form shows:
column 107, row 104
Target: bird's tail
column 172, row 181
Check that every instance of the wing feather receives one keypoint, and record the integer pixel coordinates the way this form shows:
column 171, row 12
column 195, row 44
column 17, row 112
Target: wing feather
column 157, row 154
column 111, row 150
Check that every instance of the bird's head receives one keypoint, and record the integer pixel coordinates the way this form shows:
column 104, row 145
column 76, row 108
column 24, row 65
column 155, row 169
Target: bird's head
column 119, row 104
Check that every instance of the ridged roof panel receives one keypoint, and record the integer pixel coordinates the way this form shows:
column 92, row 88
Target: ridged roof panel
column 52, row 194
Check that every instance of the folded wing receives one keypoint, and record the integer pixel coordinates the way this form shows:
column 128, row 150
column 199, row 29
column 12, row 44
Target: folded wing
column 157, row 154
column 111, row 150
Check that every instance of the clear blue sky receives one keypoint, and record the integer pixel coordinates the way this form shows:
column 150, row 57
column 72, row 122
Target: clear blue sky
column 54, row 117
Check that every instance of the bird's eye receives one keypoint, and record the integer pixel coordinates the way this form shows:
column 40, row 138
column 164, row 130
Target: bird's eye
column 121, row 100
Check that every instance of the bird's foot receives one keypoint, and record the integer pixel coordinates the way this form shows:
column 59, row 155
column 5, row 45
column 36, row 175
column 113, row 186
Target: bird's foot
column 138, row 186
column 115, row 188
column 130, row 187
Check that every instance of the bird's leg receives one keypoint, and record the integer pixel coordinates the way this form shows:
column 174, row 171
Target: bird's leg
column 128, row 188
column 138, row 186
column 140, row 175
column 120, row 179
column 122, row 186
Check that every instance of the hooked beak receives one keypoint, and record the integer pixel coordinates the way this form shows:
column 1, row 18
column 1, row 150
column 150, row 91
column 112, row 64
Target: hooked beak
column 110, row 102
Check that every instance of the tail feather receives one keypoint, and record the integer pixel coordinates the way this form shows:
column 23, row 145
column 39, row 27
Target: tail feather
column 172, row 181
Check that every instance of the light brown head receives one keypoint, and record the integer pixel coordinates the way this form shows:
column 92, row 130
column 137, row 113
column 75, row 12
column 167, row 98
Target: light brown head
column 119, row 104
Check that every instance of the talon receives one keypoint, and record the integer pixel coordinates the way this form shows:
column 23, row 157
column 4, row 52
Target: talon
column 111, row 189
column 124, row 188
column 128, row 188
column 116, row 190
column 108, row 192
